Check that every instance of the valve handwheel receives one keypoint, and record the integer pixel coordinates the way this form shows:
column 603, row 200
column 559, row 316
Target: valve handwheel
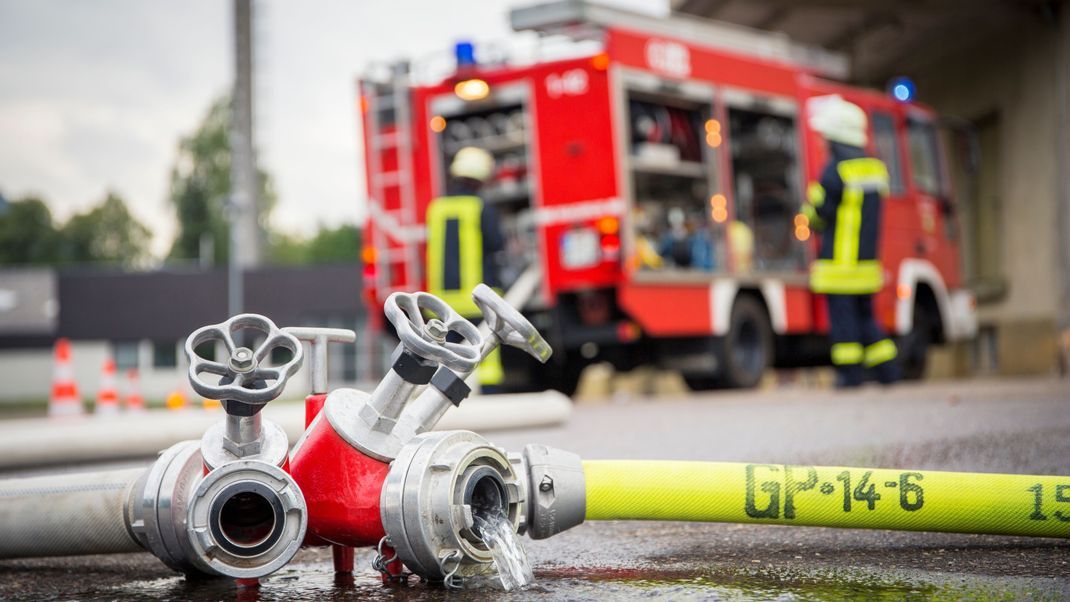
column 510, row 325
column 242, row 370
column 427, row 338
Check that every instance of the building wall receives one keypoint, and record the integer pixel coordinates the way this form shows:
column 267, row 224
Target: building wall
column 26, row 374
column 106, row 313
column 1014, row 77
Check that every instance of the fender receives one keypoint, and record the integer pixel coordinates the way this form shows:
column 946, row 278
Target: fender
column 912, row 272
column 723, row 295
column 777, row 304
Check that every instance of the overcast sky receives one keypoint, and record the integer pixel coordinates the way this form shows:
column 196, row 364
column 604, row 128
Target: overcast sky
column 95, row 95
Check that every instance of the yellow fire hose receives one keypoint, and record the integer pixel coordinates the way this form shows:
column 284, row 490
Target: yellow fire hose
column 822, row 496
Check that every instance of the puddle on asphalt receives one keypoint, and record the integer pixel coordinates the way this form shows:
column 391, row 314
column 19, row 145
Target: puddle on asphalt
column 316, row 581
column 795, row 584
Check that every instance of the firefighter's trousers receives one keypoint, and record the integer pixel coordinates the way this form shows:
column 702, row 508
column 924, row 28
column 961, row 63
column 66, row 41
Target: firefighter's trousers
column 858, row 342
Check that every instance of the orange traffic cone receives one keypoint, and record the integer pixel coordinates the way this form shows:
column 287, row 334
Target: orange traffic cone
column 134, row 401
column 176, row 400
column 211, row 404
column 107, row 395
column 64, row 400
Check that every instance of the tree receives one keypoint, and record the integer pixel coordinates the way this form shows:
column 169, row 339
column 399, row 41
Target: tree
column 335, row 245
column 288, row 250
column 27, row 234
column 107, row 233
column 200, row 185
column 330, row 245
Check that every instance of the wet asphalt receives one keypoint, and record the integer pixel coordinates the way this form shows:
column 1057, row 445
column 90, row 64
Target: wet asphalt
column 1018, row 426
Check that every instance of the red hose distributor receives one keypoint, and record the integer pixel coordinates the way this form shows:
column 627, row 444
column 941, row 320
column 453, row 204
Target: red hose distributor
column 342, row 460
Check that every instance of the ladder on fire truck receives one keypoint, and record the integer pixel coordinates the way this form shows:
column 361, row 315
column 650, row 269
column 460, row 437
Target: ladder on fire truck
column 400, row 223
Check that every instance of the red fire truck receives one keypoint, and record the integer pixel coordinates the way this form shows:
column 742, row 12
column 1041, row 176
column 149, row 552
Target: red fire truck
column 652, row 172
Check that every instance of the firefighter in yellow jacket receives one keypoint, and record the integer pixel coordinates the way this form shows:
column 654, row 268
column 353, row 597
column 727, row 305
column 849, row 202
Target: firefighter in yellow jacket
column 845, row 207
column 464, row 242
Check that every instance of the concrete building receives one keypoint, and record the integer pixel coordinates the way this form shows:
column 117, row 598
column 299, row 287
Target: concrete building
column 141, row 320
column 998, row 72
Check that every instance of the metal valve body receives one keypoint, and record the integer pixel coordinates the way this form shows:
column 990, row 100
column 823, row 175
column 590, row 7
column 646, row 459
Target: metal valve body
column 246, row 383
column 247, row 516
column 365, row 468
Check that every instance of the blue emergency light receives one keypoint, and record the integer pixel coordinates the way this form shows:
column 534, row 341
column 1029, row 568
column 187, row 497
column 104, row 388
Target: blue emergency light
column 902, row 89
column 465, row 52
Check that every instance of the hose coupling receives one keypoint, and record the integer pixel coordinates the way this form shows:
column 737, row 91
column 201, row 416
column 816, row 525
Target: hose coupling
column 245, row 519
column 442, row 481
column 436, row 487
column 557, row 498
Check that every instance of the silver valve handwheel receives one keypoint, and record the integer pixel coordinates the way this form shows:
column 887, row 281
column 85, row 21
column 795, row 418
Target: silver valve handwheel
column 243, row 366
column 427, row 337
column 510, row 325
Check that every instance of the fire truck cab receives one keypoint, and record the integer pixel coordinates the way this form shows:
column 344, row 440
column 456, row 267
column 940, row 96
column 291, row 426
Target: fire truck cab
column 651, row 179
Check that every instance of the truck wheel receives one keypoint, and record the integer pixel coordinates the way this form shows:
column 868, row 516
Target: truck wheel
column 914, row 347
column 701, row 382
column 565, row 377
column 746, row 351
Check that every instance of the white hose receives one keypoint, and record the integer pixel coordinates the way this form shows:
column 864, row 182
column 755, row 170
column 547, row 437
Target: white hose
column 43, row 442
column 505, row 412
column 67, row 514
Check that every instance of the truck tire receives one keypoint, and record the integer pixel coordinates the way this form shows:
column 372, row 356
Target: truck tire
column 743, row 353
column 746, row 351
column 565, row 376
column 914, row 347
column 701, row 382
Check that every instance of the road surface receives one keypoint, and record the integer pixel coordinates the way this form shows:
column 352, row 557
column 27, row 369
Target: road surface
column 1020, row 426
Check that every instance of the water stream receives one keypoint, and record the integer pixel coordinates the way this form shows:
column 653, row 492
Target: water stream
column 510, row 559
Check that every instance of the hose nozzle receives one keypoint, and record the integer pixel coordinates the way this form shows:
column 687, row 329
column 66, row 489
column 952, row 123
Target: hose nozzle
column 557, row 498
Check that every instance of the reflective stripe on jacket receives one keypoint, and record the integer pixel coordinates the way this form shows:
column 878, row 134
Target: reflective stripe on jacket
column 846, row 207
column 455, row 251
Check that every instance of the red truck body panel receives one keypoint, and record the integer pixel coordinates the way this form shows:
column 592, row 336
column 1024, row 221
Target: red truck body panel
column 576, row 148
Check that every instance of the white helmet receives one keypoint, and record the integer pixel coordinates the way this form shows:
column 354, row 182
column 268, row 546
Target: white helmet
column 838, row 120
column 472, row 162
